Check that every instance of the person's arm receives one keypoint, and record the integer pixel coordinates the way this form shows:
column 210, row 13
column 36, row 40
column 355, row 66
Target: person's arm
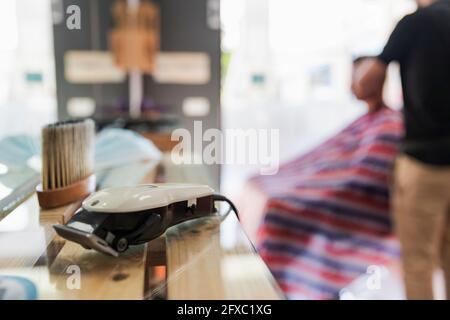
column 369, row 78
column 370, row 74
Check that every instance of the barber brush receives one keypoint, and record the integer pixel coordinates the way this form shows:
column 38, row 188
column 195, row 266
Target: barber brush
column 67, row 163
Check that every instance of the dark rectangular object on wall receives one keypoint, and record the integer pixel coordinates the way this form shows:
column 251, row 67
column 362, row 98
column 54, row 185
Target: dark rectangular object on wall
column 184, row 28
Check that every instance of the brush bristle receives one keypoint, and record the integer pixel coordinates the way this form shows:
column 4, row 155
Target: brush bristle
column 67, row 153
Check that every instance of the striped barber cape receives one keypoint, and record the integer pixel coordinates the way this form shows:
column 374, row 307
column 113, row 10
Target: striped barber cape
column 327, row 216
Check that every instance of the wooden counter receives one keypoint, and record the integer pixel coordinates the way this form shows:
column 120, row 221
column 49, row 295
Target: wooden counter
column 202, row 259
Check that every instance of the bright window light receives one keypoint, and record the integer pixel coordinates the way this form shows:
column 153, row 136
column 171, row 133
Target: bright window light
column 8, row 25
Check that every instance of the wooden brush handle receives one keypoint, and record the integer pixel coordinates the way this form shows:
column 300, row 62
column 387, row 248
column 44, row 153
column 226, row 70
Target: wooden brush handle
column 62, row 196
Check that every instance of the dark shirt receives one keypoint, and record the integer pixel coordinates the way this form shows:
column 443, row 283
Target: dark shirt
column 421, row 44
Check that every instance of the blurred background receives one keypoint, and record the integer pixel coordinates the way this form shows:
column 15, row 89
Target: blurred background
column 287, row 65
column 281, row 64
column 64, row 59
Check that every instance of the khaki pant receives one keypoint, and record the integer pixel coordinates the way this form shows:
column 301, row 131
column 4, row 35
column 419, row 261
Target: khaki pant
column 421, row 206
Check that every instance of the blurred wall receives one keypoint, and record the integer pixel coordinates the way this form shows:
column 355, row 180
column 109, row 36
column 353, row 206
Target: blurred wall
column 96, row 20
column 184, row 28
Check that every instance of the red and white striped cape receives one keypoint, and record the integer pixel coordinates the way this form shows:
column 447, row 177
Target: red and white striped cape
column 327, row 216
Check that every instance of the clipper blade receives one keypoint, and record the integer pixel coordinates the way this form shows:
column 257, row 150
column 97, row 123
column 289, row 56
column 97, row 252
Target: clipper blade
column 87, row 240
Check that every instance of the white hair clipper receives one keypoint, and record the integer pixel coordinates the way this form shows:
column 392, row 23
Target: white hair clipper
column 112, row 219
